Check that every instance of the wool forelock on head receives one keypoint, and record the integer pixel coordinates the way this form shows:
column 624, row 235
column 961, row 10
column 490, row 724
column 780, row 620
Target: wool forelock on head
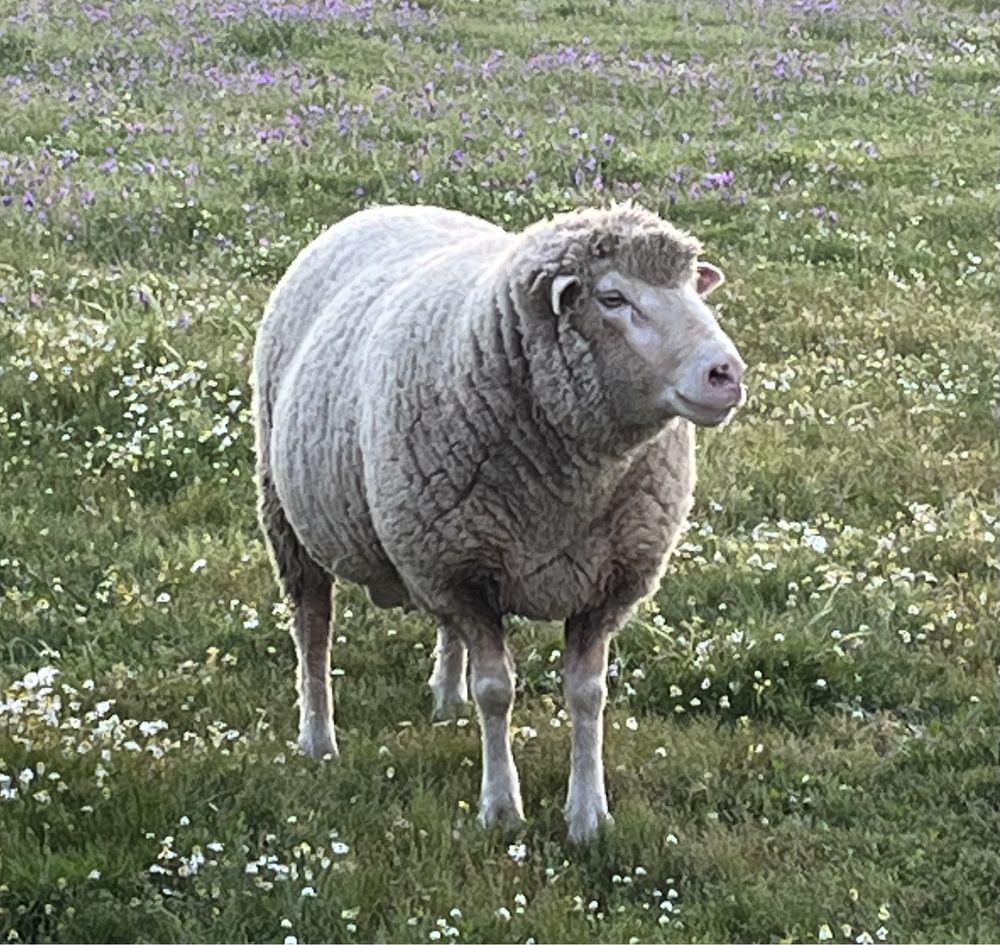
column 625, row 236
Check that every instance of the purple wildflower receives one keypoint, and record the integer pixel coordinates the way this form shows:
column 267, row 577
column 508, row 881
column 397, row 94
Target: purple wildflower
column 718, row 179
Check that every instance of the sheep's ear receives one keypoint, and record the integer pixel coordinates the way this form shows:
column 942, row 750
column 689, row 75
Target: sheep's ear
column 562, row 284
column 708, row 278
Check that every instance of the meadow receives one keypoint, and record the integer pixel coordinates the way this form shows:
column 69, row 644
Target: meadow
column 803, row 723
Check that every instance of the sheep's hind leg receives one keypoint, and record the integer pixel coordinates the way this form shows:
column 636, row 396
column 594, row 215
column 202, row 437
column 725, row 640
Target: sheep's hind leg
column 585, row 673
column 448, row 680
column 310, row 590
column 313, row 614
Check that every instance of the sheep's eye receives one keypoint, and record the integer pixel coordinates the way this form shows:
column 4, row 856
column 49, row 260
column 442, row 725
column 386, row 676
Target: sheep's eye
column 612, row 300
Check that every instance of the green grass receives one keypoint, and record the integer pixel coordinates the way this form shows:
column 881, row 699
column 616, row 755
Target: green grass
column 802, row 731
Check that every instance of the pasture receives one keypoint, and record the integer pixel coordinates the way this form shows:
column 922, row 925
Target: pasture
column 802, row 728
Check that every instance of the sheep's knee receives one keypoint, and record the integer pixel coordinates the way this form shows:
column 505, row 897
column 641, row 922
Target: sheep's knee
column 586, row 696
column 494, row 694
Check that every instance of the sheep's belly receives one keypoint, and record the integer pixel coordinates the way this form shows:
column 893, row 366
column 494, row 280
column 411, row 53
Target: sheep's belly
column 541, row 600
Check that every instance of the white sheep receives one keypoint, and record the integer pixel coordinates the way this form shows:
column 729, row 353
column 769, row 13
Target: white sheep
column 476, row 423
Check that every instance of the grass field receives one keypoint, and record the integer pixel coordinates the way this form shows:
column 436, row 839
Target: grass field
column 803, row 724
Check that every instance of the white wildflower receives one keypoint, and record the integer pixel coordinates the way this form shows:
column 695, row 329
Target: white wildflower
column 817, row 542
column 517, row 852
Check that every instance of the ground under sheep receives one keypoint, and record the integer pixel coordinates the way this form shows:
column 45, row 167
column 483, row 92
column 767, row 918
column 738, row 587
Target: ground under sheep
column 475, row 423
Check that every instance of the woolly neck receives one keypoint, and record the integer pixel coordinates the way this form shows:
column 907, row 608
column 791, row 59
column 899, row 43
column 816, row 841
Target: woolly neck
column 544, row 391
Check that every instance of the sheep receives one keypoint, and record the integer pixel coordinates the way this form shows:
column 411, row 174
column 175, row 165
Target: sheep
column 475, row 423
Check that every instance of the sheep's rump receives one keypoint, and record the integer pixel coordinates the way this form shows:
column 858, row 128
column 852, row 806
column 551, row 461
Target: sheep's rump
column 357, row 296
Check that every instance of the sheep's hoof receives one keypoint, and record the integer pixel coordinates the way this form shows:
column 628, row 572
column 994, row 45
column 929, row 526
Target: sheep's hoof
column 585, row 823
column 321, row 747
column 450, row 709
column 502, row 811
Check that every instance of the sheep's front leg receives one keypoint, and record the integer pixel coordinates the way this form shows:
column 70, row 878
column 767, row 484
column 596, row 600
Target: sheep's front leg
column 448, row 682
column 585, row 683
column 493, row 690
column 313, row 615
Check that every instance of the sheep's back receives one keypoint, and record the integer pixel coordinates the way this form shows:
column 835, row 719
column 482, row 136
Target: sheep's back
column 365, row 253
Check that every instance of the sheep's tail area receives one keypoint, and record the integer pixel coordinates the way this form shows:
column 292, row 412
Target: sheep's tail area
column 297, row 571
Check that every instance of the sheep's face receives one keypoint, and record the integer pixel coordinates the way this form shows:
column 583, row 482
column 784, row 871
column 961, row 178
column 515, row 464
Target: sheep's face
column 661, row 351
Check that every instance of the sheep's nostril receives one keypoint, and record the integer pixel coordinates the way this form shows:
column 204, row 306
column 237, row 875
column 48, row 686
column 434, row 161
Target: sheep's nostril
column 720, row 376
column 726, row 374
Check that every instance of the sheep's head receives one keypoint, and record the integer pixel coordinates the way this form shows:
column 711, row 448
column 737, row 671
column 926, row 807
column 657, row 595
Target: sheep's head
column 632, row 287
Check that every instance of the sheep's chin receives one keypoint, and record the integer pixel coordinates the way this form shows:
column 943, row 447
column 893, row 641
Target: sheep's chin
column 700, row 414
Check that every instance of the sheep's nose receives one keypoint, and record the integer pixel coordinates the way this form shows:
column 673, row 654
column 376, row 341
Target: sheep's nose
column 728, row 373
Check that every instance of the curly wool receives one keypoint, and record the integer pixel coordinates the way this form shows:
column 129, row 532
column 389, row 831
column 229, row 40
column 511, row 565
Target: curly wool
column 429, row 429
column 630, row 237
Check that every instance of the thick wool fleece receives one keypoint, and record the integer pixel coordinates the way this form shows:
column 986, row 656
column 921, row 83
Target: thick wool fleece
column 427, row 427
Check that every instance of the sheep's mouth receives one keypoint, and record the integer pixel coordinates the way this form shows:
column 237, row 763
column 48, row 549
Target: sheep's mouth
column 704, row 415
